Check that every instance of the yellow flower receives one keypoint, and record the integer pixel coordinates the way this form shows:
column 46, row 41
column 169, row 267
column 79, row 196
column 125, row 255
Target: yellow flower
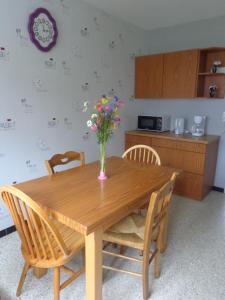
column 113, row 126
column 104, row 100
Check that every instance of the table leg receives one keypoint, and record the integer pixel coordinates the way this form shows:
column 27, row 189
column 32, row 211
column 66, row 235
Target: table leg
column 39, row 272
column 93, row 257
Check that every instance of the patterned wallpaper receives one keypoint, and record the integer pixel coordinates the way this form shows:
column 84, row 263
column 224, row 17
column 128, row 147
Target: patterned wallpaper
column 42, row 94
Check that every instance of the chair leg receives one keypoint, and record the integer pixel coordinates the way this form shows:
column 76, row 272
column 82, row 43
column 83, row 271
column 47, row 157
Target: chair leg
column 145, row 278
column 157, row 264
column 56, row 283
column 83, row 256
column 22, row 279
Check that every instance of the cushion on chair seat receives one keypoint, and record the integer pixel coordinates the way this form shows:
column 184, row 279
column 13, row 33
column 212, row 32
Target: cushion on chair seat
column 129, row 232
column 125, row 239
column 134, row 223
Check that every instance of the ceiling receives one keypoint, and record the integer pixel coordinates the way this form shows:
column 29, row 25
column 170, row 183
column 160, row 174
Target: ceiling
column 152, row 14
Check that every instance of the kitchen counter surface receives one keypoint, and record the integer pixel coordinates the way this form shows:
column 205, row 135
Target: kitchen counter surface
column 206, row 139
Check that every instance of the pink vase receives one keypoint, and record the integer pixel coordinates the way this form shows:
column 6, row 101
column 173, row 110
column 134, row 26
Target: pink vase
column 102, row 176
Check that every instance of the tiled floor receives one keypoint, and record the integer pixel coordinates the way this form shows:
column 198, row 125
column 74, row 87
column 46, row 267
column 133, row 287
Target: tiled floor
column 193, row 267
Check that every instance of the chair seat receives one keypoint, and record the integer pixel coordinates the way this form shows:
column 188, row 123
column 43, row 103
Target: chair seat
column 128, row 232
column 73, row 240
column 134, row 223
column 125, row 239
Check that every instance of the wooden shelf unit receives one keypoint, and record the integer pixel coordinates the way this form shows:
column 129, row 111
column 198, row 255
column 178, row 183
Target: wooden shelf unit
column 205, row 75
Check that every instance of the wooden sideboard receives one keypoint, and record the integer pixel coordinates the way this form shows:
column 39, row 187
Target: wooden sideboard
column 195, row 156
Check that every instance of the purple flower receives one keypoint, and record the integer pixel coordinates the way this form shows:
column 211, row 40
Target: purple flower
column 111, row 106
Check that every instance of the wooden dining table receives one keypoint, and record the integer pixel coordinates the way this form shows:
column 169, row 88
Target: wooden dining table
column 77, row 198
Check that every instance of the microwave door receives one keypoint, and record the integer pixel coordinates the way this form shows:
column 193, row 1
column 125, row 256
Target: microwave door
column 148, row 123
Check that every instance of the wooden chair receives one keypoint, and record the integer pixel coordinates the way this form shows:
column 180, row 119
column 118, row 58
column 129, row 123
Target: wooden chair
column 142, row 153
column 62, row 159
column 149, row 230
column 45, row 243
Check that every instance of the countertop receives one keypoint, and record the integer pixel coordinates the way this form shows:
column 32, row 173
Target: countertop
column 187, row 137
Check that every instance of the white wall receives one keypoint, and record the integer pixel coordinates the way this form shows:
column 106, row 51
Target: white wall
column 202, row 34
column 30, row 139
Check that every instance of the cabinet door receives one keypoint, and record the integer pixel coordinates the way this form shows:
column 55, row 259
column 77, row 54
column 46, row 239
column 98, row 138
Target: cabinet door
column 180, row 74
column 148, row 76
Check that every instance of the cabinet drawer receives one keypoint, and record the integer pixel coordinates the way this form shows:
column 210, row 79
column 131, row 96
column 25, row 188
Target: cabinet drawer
column 164, row 143
column 180, row 145
column 187, row 161
column 138, row 140
column 192, row 147
column 189, row 185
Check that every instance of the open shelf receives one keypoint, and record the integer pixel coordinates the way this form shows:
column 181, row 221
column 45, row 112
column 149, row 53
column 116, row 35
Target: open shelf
column 206, row 78
column 211, row 74
column 210, row 98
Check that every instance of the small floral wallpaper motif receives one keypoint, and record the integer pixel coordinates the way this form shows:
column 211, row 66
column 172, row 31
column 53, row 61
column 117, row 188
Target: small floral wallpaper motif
column 31, row 166
column 50, row 63
column 4, row 54
column 53, row 123
column 7, row 124
column 22, row 38
column 26, row 106
column 42, row 144
column 68, row 123
column 39, row 86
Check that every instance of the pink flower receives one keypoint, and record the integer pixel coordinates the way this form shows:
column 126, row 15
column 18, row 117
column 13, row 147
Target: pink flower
column 94, row 127
column 120, row 103
column 107, row 108
column 99, row 108
column 117, row 119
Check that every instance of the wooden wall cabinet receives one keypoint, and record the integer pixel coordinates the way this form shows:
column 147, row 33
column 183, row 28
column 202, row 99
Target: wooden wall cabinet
column 196, row 157
column 149, row 74
column 181, row 74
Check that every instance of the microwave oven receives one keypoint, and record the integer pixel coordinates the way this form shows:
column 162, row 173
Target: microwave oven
column 153, row 123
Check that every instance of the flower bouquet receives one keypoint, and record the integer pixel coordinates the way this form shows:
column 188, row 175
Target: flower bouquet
column 104, row 119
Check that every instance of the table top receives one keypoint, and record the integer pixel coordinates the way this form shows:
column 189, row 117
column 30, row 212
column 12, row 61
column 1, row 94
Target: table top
column 78, row 199
column 186, row 137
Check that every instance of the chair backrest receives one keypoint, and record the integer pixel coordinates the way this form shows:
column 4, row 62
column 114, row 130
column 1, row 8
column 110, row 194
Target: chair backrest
column 62, row 159
column 142, row 153
column 40, row 239
column 157, row 210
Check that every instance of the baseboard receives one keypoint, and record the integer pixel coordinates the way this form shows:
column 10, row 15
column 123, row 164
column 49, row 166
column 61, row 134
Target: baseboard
column 218, row 189
column 7, row 231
